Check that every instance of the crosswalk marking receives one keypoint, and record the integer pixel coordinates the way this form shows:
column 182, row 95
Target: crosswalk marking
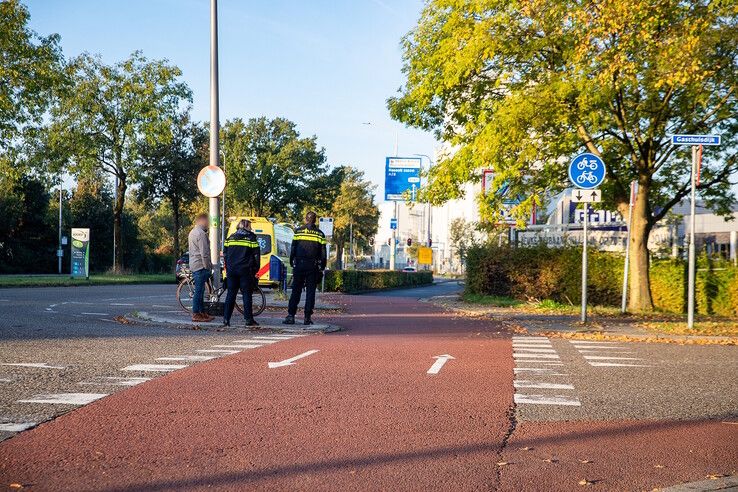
column 538, row 350
column 546, row 400
column 616, row 364
column 522, row 383
column 154, row 367
column 218, row 351
column 16, row 426
column 260, row 341
column 65, row 398
column 603, row 357
column 193, row 358
column 540, row 370
column 38, row 365
column 518, row 355
column 237, row 346
column 115, row 381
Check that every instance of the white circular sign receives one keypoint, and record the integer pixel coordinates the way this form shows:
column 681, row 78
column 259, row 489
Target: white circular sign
column 211, row 181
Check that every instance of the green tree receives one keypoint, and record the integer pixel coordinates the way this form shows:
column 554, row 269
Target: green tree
column 170, row 169
column 110, row 114
column 524, row 86
column 270, row 168
column 31, row 69
column 353, row 210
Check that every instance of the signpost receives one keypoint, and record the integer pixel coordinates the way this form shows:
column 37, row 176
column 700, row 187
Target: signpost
column 402, row 176
column 696, row 141
column 80, row 253
column 586, row 172
column 631, row 203
column 325, row 224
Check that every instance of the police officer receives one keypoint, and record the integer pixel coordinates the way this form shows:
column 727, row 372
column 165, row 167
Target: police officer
column 308, row 259
column 242, row 255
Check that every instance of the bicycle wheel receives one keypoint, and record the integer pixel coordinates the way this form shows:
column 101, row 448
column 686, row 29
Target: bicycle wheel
column 258, row 301
column 186, row 292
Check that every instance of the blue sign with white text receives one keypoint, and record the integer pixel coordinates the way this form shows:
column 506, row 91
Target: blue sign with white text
column 402, row 175
column 393, row 223
column 586, row 171
column 695, row 139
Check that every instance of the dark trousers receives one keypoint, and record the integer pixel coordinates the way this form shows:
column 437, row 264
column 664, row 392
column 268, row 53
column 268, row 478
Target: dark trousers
column 304, row 276
column 200, row 277
column 235, row 281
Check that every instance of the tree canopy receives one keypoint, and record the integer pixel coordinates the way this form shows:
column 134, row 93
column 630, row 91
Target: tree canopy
column 523, row 86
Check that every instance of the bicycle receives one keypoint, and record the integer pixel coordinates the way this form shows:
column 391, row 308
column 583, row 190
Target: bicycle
column 186, row 292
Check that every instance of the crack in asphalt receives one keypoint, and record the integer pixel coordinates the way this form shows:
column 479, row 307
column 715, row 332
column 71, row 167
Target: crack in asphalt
column 512, row 423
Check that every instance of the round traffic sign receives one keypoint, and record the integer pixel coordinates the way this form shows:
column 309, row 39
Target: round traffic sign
column 586, row 171
column 211, row 181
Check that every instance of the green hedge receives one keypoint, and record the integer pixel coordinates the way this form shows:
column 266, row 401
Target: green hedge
column 555, row 273
column 362, row 280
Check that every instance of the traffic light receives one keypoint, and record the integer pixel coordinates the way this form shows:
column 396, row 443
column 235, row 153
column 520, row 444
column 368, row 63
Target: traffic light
column 430, row 242
column 389, row 242
column 409, row 241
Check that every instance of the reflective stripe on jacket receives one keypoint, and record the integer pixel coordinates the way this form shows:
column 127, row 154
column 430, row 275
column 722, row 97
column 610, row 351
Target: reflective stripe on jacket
column 241, row 252
column 308, row 243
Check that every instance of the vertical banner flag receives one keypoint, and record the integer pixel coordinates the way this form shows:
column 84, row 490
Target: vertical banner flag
column 80, row 253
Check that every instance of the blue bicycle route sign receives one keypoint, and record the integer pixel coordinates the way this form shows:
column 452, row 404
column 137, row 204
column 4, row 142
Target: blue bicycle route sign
column 402, row 174
column 586, row 171
column 393, row 223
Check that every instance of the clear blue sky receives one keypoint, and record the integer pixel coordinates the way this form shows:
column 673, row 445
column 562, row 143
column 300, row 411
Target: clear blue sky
column 327, row 65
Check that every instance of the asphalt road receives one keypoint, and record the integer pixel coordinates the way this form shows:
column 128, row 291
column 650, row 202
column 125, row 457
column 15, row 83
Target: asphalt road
column 407, row 397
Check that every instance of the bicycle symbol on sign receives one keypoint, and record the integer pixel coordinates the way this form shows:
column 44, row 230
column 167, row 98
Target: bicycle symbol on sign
column 587, row 177
column 586, row 163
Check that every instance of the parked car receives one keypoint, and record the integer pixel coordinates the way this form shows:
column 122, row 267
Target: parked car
column 409, row 269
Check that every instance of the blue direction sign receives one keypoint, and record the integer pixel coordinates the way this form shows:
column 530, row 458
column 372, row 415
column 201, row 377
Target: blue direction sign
column 586, row 171
column 695, row 139
column 393, row 223
column 402, row 175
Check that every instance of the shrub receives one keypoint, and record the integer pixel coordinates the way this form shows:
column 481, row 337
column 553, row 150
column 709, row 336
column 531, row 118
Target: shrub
column 351, row 281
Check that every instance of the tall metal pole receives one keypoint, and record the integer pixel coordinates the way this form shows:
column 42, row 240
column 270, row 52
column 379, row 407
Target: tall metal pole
column 59, row 257
column 214, row 209
column 223, row 208
column 395, row 215
column 115, row 246
column 584, row 264
column 631, row 203
column 691, row 268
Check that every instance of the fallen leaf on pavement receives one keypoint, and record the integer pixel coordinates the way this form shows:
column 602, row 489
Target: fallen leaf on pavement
column 658, row 466
column 586, row 482
column 16, row 486
column 715, row 476
column 502, row 463
column 527, row 448
column 585, row 461
column 123, row 320
column 551, row 460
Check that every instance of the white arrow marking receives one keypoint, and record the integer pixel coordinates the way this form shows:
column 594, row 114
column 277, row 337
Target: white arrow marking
column 438, row 364
column 291, row 360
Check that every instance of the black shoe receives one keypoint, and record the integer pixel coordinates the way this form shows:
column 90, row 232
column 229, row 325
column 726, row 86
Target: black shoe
column 251, row 322
column 226, row 322
column 289, row 320
column 308, row 321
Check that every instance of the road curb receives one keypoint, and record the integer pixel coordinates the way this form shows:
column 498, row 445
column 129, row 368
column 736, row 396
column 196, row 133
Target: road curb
column 723, row 483
column 266, row 324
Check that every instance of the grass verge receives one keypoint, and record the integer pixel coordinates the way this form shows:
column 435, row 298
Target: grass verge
column 8, row 281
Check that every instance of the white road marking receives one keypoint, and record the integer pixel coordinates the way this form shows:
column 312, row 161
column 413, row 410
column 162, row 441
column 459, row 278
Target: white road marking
column 39, row 365
column 66, row 398
column 518, row 355
column 539, row 350
column 535, row 384
column 116, row 381
column 237, row 346
column 160, row 306
column 599, row 347
column 531, row 345
column 541, row 362
column 591, row 342
column 531, row 340
column 546, row 400
column 121, row 304
column 291, row 360
column 217, row 351
column 600, row 351
column 263, row 342
column 439, row 363
column 154, row 367
column 5, row 380
column 96, row 314
column 194, row 358
column 16, row 426
column 603, row 357
column 615, row 364
column 540, row 370
column 4, row 300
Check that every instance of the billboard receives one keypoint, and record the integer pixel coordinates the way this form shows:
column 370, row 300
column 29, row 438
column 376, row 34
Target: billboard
column 80, row 253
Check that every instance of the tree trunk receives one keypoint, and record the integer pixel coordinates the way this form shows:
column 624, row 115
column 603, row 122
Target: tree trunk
column 339, row 254
column 118, row 222
column 639, row 289
column 175, row 213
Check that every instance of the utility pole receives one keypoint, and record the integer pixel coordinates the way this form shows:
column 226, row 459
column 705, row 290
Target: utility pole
column 214, row 209
column 59, row 249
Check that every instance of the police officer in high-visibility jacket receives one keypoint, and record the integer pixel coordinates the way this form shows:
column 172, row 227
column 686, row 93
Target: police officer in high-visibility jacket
column 308, row 259
column 242, row 256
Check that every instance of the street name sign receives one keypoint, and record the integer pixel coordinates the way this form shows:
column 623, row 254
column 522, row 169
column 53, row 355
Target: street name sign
column 586, row 171
column 695, row 139
column 402, row 175
column 586, row 196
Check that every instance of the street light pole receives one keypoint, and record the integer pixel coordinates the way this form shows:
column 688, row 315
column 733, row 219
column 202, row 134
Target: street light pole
column 428, row 205
column 58, row 250
column 223, row 207
column 214, row 209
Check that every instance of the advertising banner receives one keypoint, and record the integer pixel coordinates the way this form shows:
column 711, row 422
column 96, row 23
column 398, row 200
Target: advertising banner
column 80, row 253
